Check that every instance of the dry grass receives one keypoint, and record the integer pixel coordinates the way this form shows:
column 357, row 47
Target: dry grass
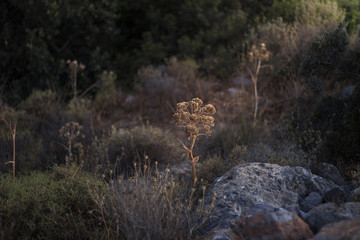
column 151, row 205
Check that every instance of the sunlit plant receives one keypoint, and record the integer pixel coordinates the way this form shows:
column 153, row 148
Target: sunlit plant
column 256, row 57
column 197, row 122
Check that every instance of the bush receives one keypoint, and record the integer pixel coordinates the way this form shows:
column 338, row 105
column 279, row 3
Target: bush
column 331, row 131
column 214, row 167
column 285, row 154
column 80, row 110
column 140, row 145
column 51, row 205
column 320, row 13
column 223, row 140
column 154, row 206
column 42, row 104
column 105, row 101
column 326, row 54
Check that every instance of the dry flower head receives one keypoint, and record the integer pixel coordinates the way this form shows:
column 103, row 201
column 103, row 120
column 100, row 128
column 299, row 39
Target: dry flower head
column 259, row 53
column 194, row 118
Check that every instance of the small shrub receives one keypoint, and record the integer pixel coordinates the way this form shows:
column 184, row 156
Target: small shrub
column 52, row 205
column 214, row 167
column 326, row 53
column 223, row 140
column 285, row 154
column 153, row 206
column 330, row 131
column 125, row 147
column 42, row 104
column 106, row 97
column 80, row 110
column 323, row 13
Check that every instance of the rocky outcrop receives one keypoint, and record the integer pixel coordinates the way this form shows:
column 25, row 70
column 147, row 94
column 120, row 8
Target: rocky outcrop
column 349, row 229
column 327, row 171
column 276, row 223
column 314, row 199
column 268, row 201
column 330, row 212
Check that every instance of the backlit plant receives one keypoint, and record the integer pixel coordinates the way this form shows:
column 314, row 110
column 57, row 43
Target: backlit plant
column 256, row 56
column 197, row 122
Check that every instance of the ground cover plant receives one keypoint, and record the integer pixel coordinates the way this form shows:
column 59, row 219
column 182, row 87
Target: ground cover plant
column 103, row 124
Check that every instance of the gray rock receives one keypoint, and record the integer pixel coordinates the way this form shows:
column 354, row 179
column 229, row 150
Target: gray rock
column 277, row 223
column 328, row 213
column 234, row 92
column 355, row 194
column 314, row 199
column 337, row 195
column 349, row 229
column 259, row 184
column 242, row 81
column 347, row 91
column 328, row 171
column 129, row 99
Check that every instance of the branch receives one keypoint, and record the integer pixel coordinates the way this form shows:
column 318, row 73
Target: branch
column 185, row 147
column 89, row 88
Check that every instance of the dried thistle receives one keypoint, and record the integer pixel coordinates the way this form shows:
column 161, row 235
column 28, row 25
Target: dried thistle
column 256, row 56
column 196, row 121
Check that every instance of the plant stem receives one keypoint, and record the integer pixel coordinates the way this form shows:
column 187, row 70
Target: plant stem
column 193, row 162
column 13, row 136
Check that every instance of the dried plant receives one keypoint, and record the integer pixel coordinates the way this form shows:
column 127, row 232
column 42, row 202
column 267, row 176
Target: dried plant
column 11, row 125
column 256, row 56
column 72, row 131
column 197, row 122
column 152, row 205
column 74, row 67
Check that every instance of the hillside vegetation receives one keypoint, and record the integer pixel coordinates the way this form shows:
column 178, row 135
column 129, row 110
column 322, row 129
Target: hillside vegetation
column 88, row 89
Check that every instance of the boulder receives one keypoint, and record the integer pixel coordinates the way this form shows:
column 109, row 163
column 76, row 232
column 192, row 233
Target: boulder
column 349, row 229
column 330, row 212
column 328, row 171
column 355, row 194
column 314, row 199
column 347, row 91
column 337, row 195
column 242, row 81
column 259, row 184
column 277, row 223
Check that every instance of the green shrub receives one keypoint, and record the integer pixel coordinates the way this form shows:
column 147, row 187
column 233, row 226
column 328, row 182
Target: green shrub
column 42, row 104
column 285, row 154
column 284, row 9
column 80, row 110
column 324, row 13
column 139, row 145
column 330, row 131
column 343, row 142
column 352, row 17
column 326, row 54
column 105, row 98
column 214, row 167
column 223, row 140
column 51, row 205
